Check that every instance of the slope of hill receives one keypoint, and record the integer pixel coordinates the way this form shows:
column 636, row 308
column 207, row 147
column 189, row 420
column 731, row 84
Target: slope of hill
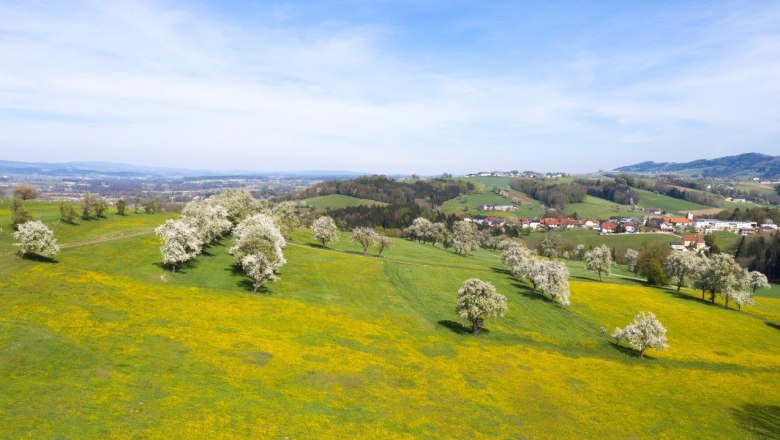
column 746, row 165
column 106, row 341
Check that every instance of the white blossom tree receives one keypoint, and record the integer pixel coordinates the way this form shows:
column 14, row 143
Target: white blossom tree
column 758, row 281
column 681, row 266
column 209, row 219
column 742, row 298
column 35, row 238
column 257, row 235
column 258, row 247
column 478, row 300
column 550, row 245
column 723, row 276
column 383, row 243
column 464, row 238
column 599, row 260
column 645, row 332
column 325, row 230
column 420, row 229
column 436, row 233
column 259, row 269
column 552, row 277
column 631, row 256
column 365, row 237
column 180, row 242
column 239, row 204
column 287, row 217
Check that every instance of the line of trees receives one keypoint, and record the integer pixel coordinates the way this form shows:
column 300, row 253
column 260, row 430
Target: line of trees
column 554, row 195
column 395, row 192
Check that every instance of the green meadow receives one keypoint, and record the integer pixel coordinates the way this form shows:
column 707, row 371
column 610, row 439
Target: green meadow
column 105, row 343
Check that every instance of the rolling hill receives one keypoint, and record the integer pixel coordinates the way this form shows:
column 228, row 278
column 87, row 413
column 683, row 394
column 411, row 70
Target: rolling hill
column 104, row 342
column 336, row 201
column 746, row 165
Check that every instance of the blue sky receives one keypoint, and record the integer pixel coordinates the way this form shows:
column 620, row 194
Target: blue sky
column 404, row 86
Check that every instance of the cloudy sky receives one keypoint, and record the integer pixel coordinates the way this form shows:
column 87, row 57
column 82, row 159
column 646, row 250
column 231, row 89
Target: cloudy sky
column 404, row 86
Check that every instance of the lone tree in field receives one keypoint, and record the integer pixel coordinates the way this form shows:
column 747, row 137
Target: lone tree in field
column 464, row 238
column 180, row 242
column 758, row 281
column 420, row 230
column 287, row 217
column 631, row 257
column 680, row 266
column 325, row 230
column 19, row 215
column 258, row 248
column 382, row 243
column 550, row 245
column 121, row 206
column 99, row 205
column 87, row 204
column 645, row 332
column 365, row 237
column 34, row 238
column 599, row 260
column 478, row 300
column 25, row 192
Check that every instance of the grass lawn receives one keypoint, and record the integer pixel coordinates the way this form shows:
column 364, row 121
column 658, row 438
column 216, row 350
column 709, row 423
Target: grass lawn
column 336, row 201
column 649, row 199
column 105, row 343
column 598, row 208
column 726, row 241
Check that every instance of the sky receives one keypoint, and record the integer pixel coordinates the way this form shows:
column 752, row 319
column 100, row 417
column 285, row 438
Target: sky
column 417, row 86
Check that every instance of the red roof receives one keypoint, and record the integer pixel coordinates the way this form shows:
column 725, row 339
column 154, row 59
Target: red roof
column 678, row 220
column 693, row 238
column 608, row 226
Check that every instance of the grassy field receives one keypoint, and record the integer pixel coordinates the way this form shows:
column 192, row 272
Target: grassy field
column 595, row 207
column 104, row 343
column 649, row 199
column 726, row 241
column 336, row 201
column 472, row 204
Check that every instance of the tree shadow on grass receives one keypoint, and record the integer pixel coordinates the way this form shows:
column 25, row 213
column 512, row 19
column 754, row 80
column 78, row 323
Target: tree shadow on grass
column 40, row 258
column 773, row 325
column 501, row 271
column 246, row 284
column 687, row 297
column 183, row 268
column 457, row 327
column 530, row 294
column 762, row 421
column 628, row 351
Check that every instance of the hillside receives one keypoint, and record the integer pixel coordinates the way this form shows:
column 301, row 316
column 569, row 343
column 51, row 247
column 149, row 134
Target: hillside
column 746, row 165
column 351, row 346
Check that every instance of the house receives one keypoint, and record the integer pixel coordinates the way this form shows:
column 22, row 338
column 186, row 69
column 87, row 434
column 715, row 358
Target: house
column 568, row 223
column 629, row 227
column 678, row 221
column 678, row 246
column 551, row 223
column 608, row 227
column 693, row 242
column 495, row 221
column 504, row 208
column 768, row 227
column 588, row 223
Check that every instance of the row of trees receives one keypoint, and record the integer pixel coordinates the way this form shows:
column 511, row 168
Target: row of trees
column 546, row 276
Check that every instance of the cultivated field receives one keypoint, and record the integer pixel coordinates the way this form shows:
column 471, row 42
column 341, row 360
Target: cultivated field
column 105, row 343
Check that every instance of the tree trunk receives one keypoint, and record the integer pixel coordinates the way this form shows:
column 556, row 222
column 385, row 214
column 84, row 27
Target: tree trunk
column 727, row 302
column 254, row 288
column 173, row 268
column 599, row 275
column 476, row 325
column 702, row 294
column 642, row 353
column 679, row 285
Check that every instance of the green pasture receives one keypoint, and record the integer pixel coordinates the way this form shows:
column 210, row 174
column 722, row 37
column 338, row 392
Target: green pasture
column 106, row 343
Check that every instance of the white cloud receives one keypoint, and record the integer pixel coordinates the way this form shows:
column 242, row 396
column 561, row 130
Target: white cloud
column 143, row 83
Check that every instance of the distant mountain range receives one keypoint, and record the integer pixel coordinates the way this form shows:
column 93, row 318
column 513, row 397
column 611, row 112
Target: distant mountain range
column 748, row 165
column 95, row 169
